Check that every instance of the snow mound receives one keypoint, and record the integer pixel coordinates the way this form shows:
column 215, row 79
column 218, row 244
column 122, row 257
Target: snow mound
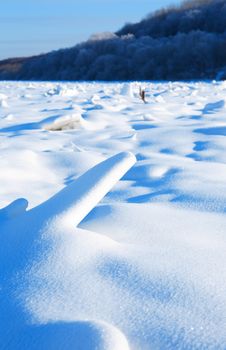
column 68, row 122
column 9, row 117
column 4, row 104
column 62, row 91
column 3, row 97
column 127, row 90
column 13, row 209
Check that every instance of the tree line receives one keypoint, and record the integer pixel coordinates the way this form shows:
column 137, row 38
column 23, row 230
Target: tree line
column 177, row 43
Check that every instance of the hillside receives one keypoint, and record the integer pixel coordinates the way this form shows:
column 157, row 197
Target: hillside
column 176, row 43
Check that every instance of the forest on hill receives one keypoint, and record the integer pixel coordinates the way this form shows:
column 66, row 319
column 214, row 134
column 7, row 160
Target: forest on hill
column 176, row 43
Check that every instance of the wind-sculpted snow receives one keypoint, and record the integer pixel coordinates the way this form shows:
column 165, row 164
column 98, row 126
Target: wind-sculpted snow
column 143, row 269
column 34, row 240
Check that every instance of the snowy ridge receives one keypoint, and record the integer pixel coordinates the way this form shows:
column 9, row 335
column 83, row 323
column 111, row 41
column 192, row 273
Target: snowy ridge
column 75, row 201
column 56, row 217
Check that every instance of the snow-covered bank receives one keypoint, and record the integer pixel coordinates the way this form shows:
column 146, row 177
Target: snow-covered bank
column 145, row 269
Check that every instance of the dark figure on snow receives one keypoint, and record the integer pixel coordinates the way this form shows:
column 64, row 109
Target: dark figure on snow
column 142, row 94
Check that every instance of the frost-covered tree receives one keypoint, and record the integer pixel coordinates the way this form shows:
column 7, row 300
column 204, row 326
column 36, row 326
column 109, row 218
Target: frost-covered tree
column 183, row 42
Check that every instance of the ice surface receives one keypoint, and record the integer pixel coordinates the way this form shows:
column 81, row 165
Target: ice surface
column 145, row 268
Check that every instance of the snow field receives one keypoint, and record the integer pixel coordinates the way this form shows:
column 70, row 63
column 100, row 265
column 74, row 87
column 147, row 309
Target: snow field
column 145, row 268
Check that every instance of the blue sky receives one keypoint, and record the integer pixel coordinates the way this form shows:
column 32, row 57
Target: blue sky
column 30, row 27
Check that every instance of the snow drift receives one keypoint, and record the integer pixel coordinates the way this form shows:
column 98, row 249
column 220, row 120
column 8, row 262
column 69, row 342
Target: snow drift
column 25, row 236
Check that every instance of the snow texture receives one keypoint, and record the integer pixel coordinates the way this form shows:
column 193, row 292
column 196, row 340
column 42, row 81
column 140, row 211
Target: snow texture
column 143, row 269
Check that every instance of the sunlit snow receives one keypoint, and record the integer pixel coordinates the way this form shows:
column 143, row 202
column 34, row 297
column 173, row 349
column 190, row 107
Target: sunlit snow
column 101, row 250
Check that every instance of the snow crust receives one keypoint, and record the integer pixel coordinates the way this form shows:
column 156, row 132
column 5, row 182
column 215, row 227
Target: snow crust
column 143, row 269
